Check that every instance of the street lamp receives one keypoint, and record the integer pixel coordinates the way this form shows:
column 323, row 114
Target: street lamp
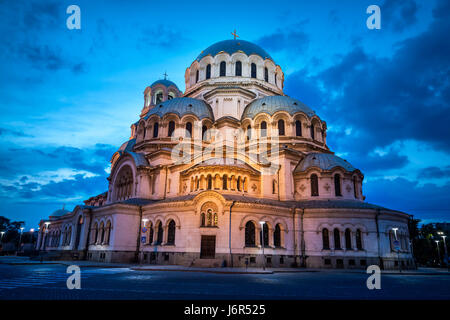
column 144, row 220
column 1, row 239
column 46, row 232
column 397, row 248
column 439, row 253
column 445, row 249
column 262, row 243
column 20, row 240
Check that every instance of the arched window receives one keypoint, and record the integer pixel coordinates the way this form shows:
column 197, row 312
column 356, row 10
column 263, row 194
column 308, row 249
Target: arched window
column 238, row 69
column 325, row 239
column 266, row 74
column 202, row 219
column 275, row 78
column 102, row 233
column 223, row 69
column 171, row 128
column 155, row 130
column 95, row 234
column 204, row 132
column 225, row 182
column 215, row 221
column 265, row 235
column 348, row 239
column 171, row 233
column 238, row 184
column 281, row 127
column 312, row 131
column 208, row 71
column 123, row 185
column 274, row 186
column 277, row 236
column 314, row 185
column 144, row 133
column 337, row 185
column 108, row 232
column 253, row 70
column 209, row 217
column 188, row 129
column 249, row 132
column 159, row 97
column 150, row 233
column 249, row 234
column 263, row 128
column 355, row 187
column 298, row 128
column 337, row 239
column 196, row 76
column 209, row 182
column 159, row 238
column 69, row 236
column 359, row 239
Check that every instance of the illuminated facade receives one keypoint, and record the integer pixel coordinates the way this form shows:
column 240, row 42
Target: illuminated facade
column 210, row 175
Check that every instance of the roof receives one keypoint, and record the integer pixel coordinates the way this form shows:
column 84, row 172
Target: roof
column 303, row 204
column 272, row 104
column 229, row 162
column 324, row 161
column 59, row 213
column 182, row 106
column 164, row 82
column 232, row 46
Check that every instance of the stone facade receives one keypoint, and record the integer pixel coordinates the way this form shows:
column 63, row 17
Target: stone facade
column 210, row 173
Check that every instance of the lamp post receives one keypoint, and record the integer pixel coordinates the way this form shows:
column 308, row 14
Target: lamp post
column 2, row 233
column 144, row 223
column 445, row 250
column 32, row 238
column 20, row 240
column 45, row 235
column 262, row 243
column 439, row 252
column 397, row 248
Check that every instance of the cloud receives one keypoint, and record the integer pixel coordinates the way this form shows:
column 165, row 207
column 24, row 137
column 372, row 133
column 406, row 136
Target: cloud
column 10, row 132
column 398, row 15
column 428, row 201
column 161, row 37
column 291, row 39
column 434, row 173
column 386, row 100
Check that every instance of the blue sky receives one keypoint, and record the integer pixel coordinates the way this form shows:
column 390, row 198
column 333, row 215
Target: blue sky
column 68, row 97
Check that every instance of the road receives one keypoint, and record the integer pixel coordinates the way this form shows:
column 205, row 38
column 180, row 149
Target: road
column 48, row 281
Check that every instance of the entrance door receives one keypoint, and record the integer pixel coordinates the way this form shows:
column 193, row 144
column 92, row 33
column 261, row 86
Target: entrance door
column 208, row 247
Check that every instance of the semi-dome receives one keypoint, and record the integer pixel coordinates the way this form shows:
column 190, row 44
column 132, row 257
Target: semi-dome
column 324, row 161
column 232, row 46
column 182, row 106
column 164, row 82
column 272, row 104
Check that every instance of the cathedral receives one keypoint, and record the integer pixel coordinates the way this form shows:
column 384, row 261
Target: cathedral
column 231, row 172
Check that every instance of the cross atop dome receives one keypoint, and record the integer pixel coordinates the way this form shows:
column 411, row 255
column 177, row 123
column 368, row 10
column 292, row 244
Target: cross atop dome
column 165, row 75
column 235, row 34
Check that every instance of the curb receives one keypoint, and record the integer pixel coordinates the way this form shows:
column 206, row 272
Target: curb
column 205, row 271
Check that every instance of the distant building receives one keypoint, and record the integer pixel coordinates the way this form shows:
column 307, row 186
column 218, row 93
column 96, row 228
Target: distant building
column 202, row 169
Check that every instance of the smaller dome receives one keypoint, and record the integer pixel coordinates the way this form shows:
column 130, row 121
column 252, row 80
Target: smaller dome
column 164, row 82
column 182, row 106
column 272, row 104
column 59, row 213
column 324, row 161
